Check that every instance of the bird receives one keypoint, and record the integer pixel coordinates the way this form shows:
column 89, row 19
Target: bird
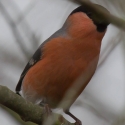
column 61, row 59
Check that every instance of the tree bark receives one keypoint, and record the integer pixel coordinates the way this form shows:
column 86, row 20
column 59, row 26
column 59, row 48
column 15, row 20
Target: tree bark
column 27, row 110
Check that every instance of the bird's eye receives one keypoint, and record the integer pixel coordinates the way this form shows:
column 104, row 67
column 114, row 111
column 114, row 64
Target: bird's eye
column 89, row 14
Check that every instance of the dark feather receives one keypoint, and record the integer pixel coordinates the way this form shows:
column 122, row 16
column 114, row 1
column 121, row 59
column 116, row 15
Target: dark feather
column 37, row 56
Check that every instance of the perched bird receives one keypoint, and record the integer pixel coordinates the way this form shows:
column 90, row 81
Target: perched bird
column 62, row 58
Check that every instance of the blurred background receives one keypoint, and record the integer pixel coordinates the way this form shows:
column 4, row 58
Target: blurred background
column 25, row 24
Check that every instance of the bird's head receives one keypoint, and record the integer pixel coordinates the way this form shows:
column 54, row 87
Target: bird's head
column 100, row 22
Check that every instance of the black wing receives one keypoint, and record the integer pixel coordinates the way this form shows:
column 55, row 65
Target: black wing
column 36, row 57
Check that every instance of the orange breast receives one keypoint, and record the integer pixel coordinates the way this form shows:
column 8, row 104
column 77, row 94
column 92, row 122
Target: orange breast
column 63, row 61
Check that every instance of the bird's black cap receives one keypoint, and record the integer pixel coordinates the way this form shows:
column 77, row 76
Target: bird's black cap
column 99, row 21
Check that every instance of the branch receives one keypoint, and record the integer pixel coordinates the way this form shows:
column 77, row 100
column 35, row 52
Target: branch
column 27, row 110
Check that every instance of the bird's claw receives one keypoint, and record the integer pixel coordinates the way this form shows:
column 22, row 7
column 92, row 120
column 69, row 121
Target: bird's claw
column 48, row 110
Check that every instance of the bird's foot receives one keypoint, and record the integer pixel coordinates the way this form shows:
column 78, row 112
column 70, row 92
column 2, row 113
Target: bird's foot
column 48, row 110
column 78, row 122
